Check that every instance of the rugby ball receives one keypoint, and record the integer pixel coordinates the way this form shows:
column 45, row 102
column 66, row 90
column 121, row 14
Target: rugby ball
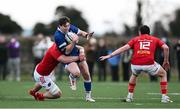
column 68, row 37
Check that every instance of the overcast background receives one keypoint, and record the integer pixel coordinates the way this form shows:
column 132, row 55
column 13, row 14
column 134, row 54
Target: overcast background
column 101, row 15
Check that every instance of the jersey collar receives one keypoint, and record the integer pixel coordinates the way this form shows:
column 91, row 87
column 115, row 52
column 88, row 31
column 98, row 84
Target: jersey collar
column 60, row 30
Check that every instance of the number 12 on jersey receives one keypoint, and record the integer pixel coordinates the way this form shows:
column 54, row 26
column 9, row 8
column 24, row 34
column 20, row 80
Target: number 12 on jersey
column 144, row 45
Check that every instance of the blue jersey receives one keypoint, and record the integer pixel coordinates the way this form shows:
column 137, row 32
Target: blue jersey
column 62, row 42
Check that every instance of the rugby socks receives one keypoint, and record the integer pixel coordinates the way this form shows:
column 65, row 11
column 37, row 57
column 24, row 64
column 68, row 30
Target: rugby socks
column 40, row 96
column 87, row 86
column 163, row 88
column 131, row 87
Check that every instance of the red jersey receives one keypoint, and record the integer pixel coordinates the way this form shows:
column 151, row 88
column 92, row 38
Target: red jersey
column 49, row 61
column 144, row 47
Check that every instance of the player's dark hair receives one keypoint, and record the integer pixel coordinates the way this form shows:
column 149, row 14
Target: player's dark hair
column 144, row 29
column 63, row 20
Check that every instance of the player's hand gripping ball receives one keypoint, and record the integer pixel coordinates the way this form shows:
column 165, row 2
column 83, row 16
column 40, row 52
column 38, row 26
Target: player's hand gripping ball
column 71, row 37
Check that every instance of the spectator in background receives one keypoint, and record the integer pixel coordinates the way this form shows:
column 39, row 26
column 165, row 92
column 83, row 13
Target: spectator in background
column 177, row 49
column 62, row 72
column 126, row 57
column 101, row 50
column 37, row 50
column 3, row 58
column 90, row 49
column 14, row 59
column 47, row 43
column 114, row 64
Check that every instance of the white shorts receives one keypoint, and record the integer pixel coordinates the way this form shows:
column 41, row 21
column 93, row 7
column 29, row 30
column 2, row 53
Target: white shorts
column 46, row 82
column 150, row 69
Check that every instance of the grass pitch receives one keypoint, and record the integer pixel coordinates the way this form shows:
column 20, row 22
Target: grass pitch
column 106, row 94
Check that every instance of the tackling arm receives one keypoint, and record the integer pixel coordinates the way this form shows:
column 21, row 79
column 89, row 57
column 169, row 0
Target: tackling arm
column 67, row 59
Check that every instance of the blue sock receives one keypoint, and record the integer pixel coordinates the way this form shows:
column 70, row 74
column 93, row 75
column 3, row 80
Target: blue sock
column 87, row 86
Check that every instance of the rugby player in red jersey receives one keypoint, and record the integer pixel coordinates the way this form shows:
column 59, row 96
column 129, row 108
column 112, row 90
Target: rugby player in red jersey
column 43, row 70
column 144, row 47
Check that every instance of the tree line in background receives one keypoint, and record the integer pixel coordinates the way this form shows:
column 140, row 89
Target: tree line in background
column 74, row 14
column 8, row 26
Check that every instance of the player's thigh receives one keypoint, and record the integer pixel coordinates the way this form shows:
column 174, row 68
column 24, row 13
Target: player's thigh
column 73, row 68
column 36, row 76
column 50, row 85
column 84, row 67
column 136, row 69
column 47, row 83
column 154, row 69
column 161, row 72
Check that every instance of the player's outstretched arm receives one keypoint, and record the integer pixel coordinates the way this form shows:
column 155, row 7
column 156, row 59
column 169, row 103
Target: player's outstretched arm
column 67, row 59
column 86, row 34
column 166, row 64
column 116, row 52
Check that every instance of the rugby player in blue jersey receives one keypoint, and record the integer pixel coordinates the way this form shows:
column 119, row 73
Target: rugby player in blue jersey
column 64, row 36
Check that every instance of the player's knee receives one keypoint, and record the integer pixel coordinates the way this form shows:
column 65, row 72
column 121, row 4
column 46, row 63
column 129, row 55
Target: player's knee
column 55, row 92
column 58, row 94
column 77, row 74
column 162, row 73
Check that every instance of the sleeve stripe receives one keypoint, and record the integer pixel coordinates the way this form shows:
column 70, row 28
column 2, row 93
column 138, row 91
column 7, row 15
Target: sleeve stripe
column 78, row 32
column 62, row 45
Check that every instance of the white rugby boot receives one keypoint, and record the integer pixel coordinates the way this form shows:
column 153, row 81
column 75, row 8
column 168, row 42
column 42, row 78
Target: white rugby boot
column 129, row 97
column 166, row 99
column 88, row 97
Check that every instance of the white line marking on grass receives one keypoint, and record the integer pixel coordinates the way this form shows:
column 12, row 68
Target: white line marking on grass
column 73, row 98
column 160, row 93
column 112, row 98
column 138, row 104
column 154, row 93
column 27, row 97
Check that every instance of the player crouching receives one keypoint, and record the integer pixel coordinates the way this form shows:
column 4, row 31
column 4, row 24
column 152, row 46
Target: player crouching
column 43, row 70
column 144, row 47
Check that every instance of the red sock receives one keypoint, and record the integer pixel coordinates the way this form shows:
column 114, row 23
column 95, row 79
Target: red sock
column 131, row 87
column 40, row 96
column 163, row 87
